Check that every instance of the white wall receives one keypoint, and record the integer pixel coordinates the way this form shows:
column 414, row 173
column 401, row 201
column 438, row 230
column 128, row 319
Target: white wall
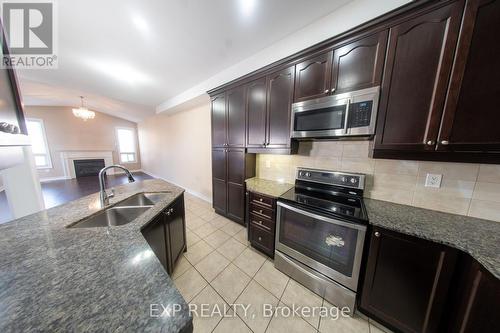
column 177, row 148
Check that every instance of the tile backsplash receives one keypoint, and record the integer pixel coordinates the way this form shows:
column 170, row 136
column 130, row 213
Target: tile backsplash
column 466, row 189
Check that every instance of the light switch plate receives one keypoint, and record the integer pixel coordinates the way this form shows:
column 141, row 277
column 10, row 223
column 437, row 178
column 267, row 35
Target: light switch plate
column 433, row 180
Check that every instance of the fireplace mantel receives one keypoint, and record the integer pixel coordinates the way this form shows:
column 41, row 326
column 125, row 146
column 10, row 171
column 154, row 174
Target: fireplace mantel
column 68, row 157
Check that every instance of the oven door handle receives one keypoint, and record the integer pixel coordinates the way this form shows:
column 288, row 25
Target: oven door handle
column 321, row 218
column 346, row 122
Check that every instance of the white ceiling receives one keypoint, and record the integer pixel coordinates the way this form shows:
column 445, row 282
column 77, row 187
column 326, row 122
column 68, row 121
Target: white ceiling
column 127, row 56
column 145, row 52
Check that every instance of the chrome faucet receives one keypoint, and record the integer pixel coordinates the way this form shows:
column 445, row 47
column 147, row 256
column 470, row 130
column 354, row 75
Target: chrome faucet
column 103, row 195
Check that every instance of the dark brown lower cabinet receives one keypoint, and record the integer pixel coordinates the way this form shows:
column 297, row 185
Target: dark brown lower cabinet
column 476, row 303
column 261, row 219
column 166, row 234
column 230, row 168
column 406, row 281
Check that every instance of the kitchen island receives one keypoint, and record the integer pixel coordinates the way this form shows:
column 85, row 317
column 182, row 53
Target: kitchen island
column 55, row 278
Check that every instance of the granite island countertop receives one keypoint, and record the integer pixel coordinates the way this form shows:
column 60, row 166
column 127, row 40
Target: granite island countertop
column 267, row 187
column 54, row 278
column 477, row 237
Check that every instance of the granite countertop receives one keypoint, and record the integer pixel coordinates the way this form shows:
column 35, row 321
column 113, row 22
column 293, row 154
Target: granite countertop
column 267, row 187
column 54, row 278
column 477, row 237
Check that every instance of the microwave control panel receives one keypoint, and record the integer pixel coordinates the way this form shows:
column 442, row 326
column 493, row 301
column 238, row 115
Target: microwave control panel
column 360, row 114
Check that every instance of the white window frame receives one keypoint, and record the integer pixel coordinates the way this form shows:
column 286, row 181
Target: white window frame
column 46, row 144
column 126, row 152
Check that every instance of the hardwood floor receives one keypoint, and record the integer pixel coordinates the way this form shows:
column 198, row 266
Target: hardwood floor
column 58, row 192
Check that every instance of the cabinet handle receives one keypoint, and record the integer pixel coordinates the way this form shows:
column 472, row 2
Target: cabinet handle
column 333, row 90
column 326, row 91
column 260, row 211
column 377, row 234
column 259, row 222
column 445, row 142
column 171, row 210
column 430, row 142
column 260, row 239
column 260, row 199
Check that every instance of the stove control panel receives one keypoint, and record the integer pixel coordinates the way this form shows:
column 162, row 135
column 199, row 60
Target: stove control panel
column 351, row 180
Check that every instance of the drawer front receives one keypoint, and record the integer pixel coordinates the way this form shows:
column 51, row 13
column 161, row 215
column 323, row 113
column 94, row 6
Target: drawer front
column 262, row 200
column 262, row 222
column 261, row 211
column 262, row 239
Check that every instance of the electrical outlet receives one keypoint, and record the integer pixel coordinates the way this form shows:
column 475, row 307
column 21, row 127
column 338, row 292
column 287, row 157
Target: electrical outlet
column 433, row 180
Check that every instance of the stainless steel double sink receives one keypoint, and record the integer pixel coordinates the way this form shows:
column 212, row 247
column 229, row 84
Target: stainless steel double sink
column 123, row 212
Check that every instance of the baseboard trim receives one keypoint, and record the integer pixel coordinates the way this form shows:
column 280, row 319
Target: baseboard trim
column 195, row 193
column 51, row 179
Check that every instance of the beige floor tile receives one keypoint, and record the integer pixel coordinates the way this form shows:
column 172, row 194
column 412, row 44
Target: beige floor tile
column 217, row 238
column 272, row 279
column 216, row 306
column 250, row 261
column 231, row 249
column 190, row 283
column 181, row 266
column 192, row 238
column 232, row 325
column 378, row 328
column 256, row 296
column 210, row 266
column 219, row 221
column 283, row 322
column 194, row 223
column 208, row 216
column 242, row 237
column 298, row 295
column 204, row 230
column 232, row 228
column 230, row 283
column 343, row 324
column 198, row 251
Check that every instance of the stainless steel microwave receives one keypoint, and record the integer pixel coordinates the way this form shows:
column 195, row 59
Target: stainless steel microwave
column 348, row 114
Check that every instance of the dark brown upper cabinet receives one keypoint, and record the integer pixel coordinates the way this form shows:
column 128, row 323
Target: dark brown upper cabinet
column 256, row 113
column 312, row 77
column 418, row 65
column 229, row 119
column 470, row 120
column 407, row 281
column 219, row 123
column 358, row 65
column 236, row 122
column 279, row 108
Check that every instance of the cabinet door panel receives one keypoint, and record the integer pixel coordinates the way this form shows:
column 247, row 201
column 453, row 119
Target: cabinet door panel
column 236, row 166
column 419, row 59
column 176, row 231
column 359, row 65
column 219, row 194
column 470, row 122
column 312, row 77
column 406, row 281
column 154, row 233
column 256, row 105
column 236, row 202
column 219, row 135
column 219, row 163
column 279, row 107
column 236, row 118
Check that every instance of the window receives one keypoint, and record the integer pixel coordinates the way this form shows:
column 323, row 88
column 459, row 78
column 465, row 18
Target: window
column 126, row 144
column 36, row 132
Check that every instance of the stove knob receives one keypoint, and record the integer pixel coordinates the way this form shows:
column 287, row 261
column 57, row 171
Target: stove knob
column 343, row 179
column 308, row 174
column 301, row 174
column 353, row 180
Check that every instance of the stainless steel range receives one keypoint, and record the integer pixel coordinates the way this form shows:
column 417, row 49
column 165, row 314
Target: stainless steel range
column 320, row 232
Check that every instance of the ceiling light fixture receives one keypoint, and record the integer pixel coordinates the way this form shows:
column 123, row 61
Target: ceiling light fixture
column 247, row 7
column 83, row 113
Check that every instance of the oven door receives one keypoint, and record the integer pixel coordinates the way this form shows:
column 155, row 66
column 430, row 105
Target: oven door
column 329, row 246
column 323, row 117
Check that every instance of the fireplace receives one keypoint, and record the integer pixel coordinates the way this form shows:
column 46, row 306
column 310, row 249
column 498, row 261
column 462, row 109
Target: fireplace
column 88, row 167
